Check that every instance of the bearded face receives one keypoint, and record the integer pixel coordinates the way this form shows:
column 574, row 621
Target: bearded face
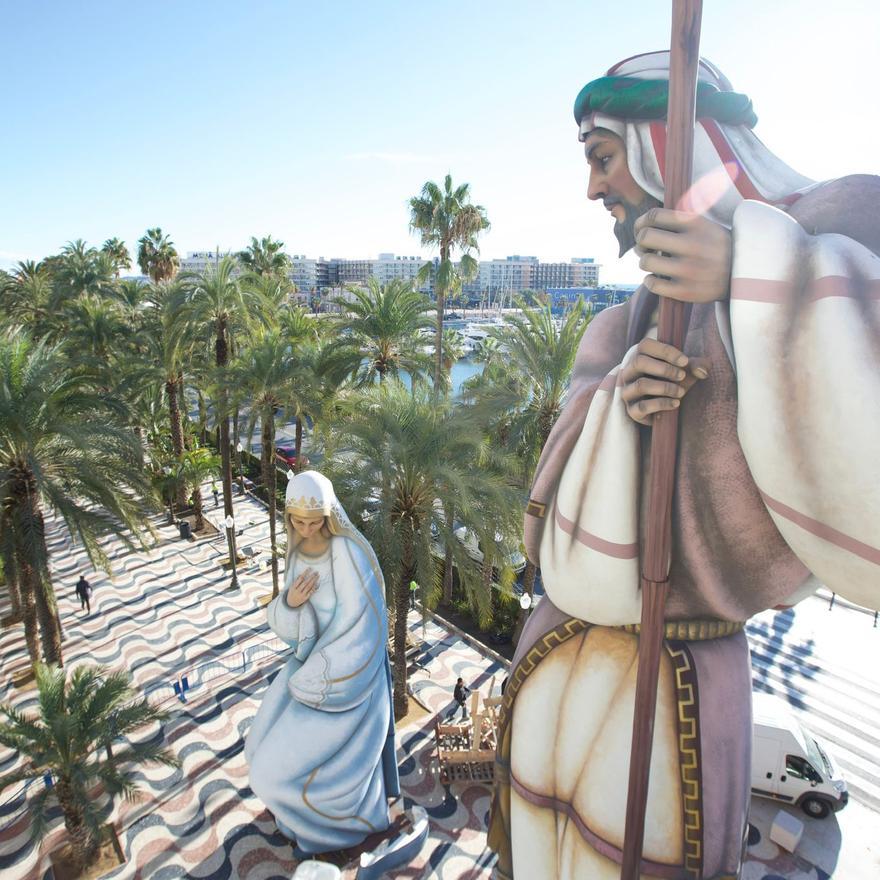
column 611, row 181
column 624, row 230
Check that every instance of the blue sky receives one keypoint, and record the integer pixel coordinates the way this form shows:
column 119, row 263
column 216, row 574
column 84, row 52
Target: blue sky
column 219, row 120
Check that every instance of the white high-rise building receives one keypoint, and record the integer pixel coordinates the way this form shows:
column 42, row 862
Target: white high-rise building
column 510, row 275
column 198, row 261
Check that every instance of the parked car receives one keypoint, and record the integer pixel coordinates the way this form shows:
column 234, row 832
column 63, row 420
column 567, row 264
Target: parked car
column 472, row 547
column 286, row 456
column 789, row 764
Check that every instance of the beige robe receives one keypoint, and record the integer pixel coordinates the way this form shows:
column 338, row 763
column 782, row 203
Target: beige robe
column 777, row 483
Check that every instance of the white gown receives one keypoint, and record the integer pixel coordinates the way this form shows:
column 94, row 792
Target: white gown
column 321, row 747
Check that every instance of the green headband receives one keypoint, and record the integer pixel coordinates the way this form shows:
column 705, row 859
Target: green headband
column 626, row 97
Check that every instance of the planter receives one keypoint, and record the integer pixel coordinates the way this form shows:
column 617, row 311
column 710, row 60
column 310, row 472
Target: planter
column 109, row 857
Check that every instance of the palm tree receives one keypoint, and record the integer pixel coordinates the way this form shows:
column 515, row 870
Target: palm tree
column 27, row 294
column 530, row 389
column 265, row 257
column 216, row 305
column 446, row 219
column 118, row 254
column 322, row 381
column 265, row 375
column 157, row 257
column 273, row 290
column 65, row 446
column 160, row 356
column 70, row 739
column 542, row 354
column 96, row 330
column 196, row 466
column 382, row 323
column 418, row 454
column 81, row 270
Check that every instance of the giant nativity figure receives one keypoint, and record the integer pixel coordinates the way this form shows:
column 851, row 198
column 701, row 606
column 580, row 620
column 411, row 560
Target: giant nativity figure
column 777, row 487
column 321, row 747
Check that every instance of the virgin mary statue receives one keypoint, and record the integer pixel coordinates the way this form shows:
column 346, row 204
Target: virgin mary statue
column 321, row 747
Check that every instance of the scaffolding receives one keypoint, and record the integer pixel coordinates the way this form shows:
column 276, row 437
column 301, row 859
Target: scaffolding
column 466, row 752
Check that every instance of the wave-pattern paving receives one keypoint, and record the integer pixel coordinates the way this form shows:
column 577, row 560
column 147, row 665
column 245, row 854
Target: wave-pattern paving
column 169, row 611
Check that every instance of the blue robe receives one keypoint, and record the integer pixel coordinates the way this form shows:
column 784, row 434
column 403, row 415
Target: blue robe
column 321, row 747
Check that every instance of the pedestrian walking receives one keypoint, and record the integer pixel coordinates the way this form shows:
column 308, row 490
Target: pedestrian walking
column 216, row 494
column 459, row 695
column 84, row 591
column 413, row 589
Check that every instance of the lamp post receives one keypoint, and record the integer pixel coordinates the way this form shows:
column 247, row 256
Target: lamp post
column 239, row 449
column 233, row 552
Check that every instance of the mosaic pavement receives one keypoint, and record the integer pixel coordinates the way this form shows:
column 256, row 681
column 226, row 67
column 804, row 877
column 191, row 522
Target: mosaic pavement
column 170, row 612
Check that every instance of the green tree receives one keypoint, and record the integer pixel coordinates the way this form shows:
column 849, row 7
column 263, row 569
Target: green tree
column 157, row 256
column 217, row 305
column 80, row 269
column 265, row 375
column 445, row 219
column 382, row 323
column 265, row 257
column 63, row 445
column 321, row 383
column 525, row 397
column 27, row 294
column 96, row 332
column 196, row 466
column 273, row 290
column 118, row 254
column 162, row 351
column 415, row 455
column 70, row 739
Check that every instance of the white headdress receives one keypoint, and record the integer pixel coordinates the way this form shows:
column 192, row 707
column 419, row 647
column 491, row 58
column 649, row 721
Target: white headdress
column 310, row 494
column 730, row 162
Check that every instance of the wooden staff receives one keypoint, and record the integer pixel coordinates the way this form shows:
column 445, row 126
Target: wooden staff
column 671, row 328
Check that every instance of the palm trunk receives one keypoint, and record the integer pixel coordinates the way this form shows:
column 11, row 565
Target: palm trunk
column 83, row 845
column 50, row 632
column 38, row 598
column 47, row 610
column 198, row 508
column 438, row 334
column 488, row 589
column 449, row 515
column 298, row 442
column 184, row 413
column 234, row 442
column 29, row 611
column 14, row 591
column 270, row 476
column 176, row 433
column 401, row 609
column 447, row 577
column 222, row 354
column 203, row 418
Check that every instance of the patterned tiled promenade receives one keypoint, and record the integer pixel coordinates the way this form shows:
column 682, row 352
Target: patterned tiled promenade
column 170, row 612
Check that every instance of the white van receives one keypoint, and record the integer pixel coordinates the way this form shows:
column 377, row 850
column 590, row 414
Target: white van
column 788, row 764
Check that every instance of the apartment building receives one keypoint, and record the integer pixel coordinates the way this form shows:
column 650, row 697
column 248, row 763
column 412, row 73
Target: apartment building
column 510, row 275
